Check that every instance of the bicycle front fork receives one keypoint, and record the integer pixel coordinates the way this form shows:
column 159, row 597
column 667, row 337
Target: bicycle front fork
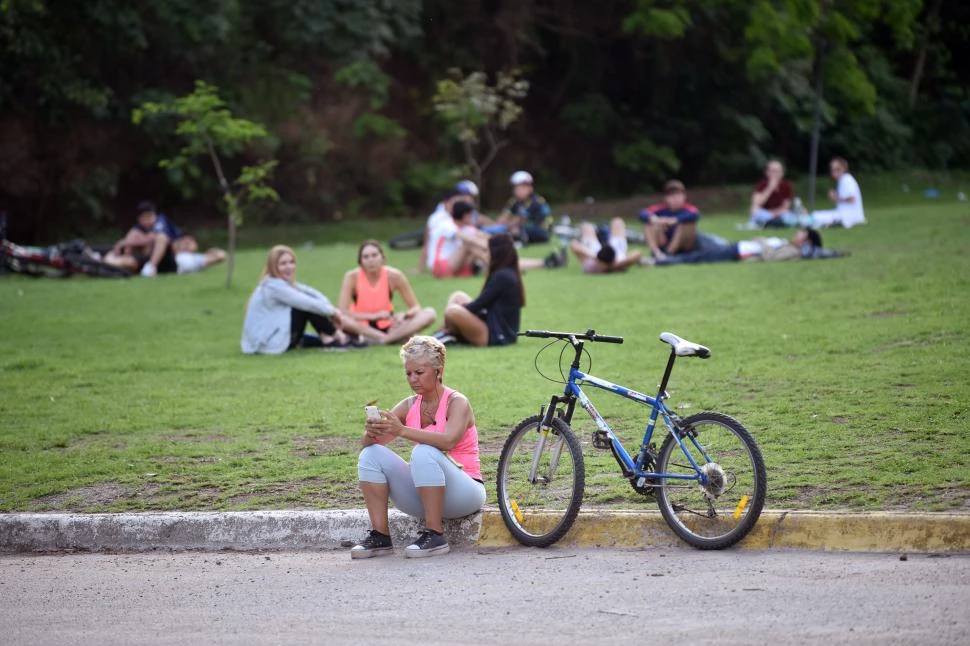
column 553, row 409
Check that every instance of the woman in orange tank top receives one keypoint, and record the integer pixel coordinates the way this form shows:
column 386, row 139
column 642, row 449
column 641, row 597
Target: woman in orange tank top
column 367, row 292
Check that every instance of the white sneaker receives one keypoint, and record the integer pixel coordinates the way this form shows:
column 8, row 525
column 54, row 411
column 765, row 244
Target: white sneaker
column 149, row 270
column 189, row 263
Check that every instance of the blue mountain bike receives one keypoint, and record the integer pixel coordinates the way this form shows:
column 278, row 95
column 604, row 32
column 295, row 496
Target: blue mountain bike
column 708, row 475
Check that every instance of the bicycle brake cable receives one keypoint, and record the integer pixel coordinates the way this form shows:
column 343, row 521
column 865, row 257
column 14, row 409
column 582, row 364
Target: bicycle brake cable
column 535, row 362
column 562, row 374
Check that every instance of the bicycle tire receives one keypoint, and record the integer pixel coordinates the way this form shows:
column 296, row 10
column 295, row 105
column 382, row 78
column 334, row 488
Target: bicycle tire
column 530, row 521
column 409, row 240
column 737, row 506
column 98, row 269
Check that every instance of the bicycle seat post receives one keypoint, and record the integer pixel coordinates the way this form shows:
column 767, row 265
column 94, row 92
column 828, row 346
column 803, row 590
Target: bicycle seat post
column 662, row 393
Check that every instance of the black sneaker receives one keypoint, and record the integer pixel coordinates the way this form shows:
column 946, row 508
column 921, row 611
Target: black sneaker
column 428, row 543
column 376, row 544
column 334, row 346
column 446, row 338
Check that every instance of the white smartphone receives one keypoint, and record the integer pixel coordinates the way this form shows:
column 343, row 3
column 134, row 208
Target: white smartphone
column 372, row 412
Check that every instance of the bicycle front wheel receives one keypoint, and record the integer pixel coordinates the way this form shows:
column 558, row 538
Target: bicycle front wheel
column 722, row 512
column 541, row 477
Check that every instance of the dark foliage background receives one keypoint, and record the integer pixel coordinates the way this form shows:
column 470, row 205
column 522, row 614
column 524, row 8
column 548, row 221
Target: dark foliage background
column 624, row 93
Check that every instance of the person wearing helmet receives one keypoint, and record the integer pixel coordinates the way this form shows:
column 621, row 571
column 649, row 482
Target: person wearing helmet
column 526, row 213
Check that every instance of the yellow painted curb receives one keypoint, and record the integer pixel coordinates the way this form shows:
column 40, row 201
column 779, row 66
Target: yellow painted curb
column 852, row 532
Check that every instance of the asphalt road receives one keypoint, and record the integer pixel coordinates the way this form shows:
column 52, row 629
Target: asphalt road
column 478, row 596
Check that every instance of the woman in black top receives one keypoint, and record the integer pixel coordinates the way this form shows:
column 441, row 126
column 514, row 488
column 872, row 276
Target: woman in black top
column 493, row 317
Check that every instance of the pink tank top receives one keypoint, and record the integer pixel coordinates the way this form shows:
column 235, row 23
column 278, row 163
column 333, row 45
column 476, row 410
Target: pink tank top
column 465, row 452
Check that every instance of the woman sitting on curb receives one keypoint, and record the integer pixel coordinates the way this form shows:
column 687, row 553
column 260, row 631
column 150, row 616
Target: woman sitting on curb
column 280, row 308
column 443, row 479
column 366, row 294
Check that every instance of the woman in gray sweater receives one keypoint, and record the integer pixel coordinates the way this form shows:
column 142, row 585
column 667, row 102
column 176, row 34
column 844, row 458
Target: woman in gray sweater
column 280, row 308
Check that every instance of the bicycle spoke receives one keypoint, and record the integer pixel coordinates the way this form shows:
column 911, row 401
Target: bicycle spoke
column 718, row 509
column 540, row 482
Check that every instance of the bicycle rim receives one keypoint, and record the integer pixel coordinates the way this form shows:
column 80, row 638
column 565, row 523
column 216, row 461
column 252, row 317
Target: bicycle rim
column 539, row 510
column 722, row 513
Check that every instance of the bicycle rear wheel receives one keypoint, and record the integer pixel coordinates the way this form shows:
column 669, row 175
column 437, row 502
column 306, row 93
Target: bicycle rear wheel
column 721, row 513
column 541, row 477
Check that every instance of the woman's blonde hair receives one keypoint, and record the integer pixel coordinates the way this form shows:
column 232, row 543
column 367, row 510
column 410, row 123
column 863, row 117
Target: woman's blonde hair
column 273, row 261
column 426, row 349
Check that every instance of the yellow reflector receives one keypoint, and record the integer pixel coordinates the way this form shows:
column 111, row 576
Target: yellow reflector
column 740, row 508
column 516, row 510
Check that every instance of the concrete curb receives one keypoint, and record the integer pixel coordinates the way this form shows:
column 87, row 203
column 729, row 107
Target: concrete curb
column 826, row 531
column 208, row 531
column 299, row 530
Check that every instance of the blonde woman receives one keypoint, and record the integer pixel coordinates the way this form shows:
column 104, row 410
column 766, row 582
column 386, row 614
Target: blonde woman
column 280, row 308
column 443, row 478
column 366, row 294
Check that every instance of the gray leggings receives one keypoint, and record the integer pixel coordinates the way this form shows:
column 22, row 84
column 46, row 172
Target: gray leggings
column 429, row 467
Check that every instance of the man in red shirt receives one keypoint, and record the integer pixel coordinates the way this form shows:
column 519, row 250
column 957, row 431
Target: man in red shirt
column 771, row 201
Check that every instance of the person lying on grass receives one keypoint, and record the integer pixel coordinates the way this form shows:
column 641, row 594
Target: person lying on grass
column 154, row 245
column 280, row 308
column 805, row 244
column 366, row 294
column 599, row 258
column 443, row 478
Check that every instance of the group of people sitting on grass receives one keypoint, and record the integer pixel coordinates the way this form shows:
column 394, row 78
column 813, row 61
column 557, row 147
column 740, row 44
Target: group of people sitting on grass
column 456, row 234
column 459, row 241
column 280, row 309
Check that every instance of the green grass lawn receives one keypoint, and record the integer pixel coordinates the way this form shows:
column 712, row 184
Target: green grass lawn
column 851, row 373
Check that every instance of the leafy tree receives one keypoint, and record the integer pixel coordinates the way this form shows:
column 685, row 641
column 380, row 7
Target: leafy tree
column 795, row 48
column 207, row 128
column 476, row 113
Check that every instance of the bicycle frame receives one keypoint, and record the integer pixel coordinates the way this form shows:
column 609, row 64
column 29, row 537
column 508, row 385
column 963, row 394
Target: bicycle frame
column 632, row 467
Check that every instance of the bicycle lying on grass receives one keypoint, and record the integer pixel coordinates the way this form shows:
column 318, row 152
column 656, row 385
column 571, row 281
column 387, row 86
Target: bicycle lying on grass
column 708, row 475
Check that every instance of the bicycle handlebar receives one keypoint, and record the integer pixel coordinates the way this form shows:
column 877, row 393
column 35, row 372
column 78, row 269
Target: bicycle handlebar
column 588, row 335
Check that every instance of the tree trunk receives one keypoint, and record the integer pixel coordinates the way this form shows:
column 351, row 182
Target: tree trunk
column 231, row 251
column 224, row 183
column 816, row 122
column 932, row 24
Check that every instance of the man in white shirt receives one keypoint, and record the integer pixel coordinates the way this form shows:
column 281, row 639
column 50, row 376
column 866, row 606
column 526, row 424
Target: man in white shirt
column 456, row 246
column 847, row 197
column 464, row 191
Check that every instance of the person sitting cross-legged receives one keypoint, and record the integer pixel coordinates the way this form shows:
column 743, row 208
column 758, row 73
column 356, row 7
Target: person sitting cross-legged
column 771, row 200
column 848, row 211
column 443, row 478
column 366, row 293
column 526, row 214
column 670, row 227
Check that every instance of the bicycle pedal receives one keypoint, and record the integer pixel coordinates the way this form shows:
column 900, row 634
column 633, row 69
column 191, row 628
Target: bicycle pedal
column 601, row 440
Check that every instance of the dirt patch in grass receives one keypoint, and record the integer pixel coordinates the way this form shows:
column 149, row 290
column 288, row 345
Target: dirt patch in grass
column 92, row 497
column 311, row 447
column 202, row 438
column 302, row 494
